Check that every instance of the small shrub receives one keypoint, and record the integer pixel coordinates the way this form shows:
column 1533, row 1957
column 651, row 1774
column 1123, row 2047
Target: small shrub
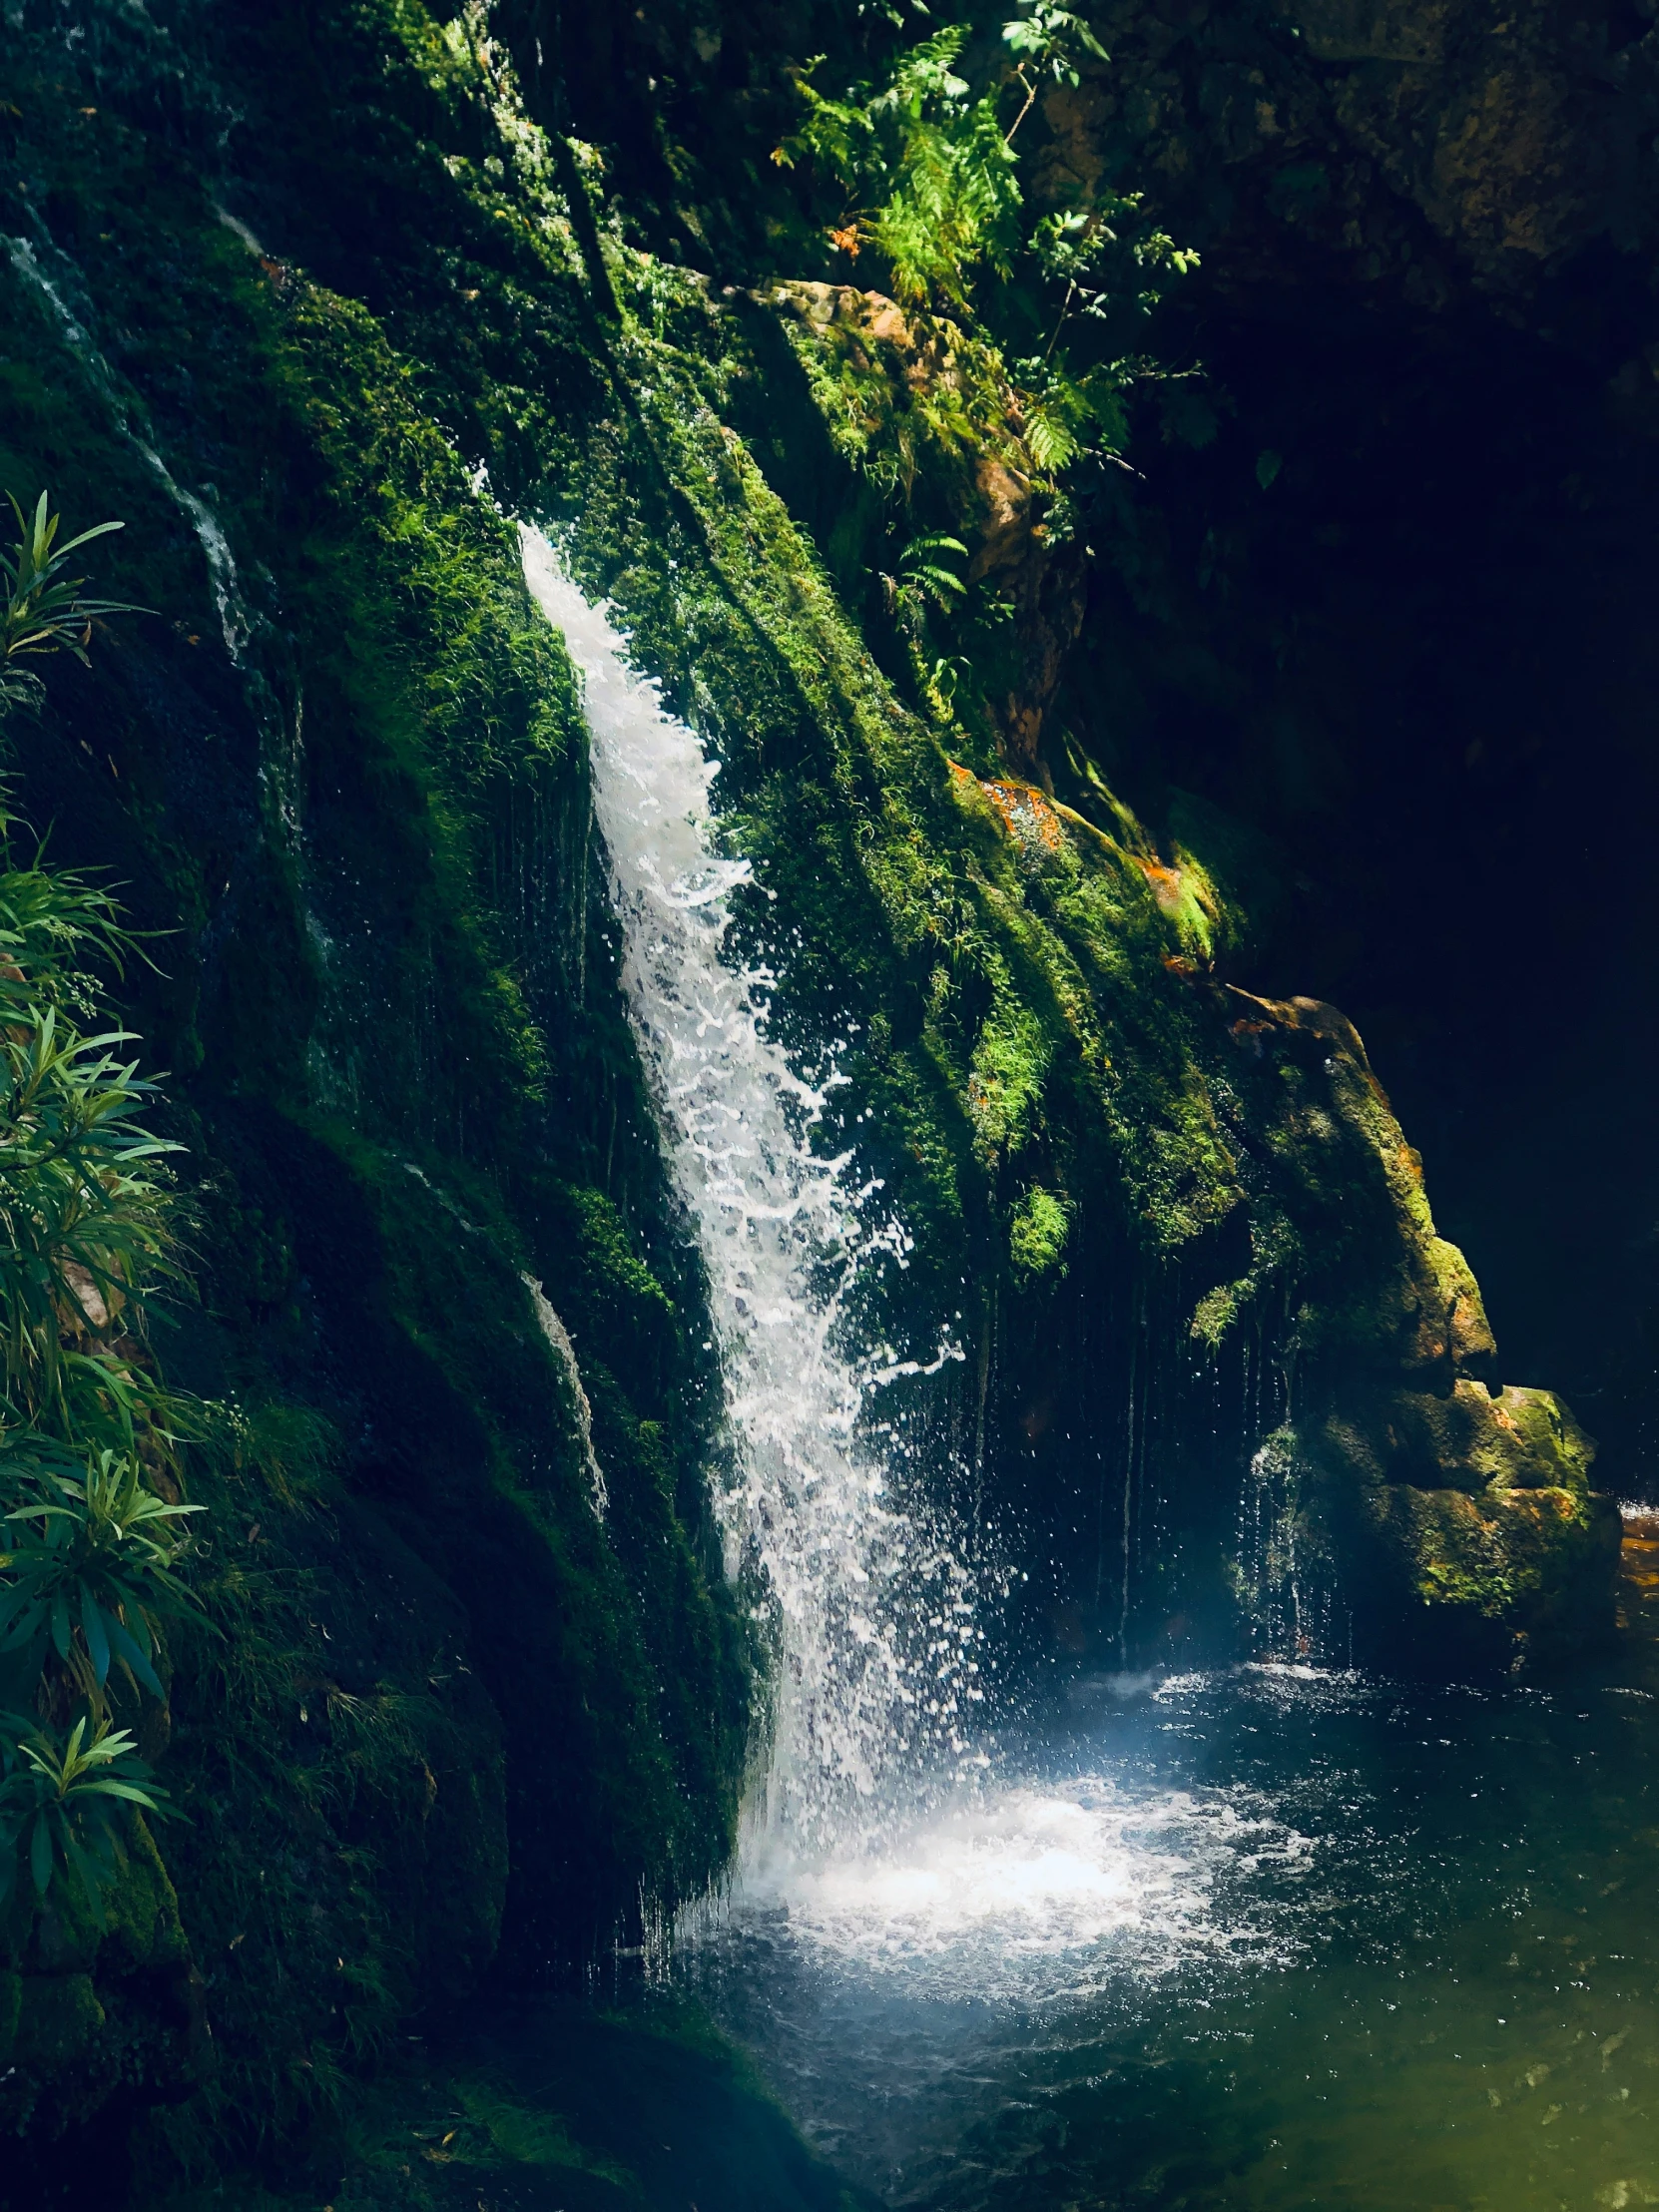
column 90, row 1575
column 87, row 1430
column 61, row 1804
column 44, row 611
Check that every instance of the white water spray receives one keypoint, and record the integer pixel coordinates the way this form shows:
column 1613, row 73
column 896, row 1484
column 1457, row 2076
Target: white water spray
column 874, row 1611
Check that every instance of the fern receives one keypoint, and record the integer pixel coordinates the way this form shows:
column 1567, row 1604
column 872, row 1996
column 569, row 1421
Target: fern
column 1051, row 437
column 930, row 187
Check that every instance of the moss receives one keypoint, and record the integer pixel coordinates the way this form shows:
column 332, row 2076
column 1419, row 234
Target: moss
column 548, row 2101
column 442, row 1702
column 1037, row 1232
column 58, row 2021
column 454, row 1718
column 1522, row 1560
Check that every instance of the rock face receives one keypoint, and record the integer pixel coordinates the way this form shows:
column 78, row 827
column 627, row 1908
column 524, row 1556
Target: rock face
column 1428, row 149
column 1428, row 167
column 1441, row 1514
column 1171, row 1227
column 1454, row 1514
column 912, row 393
column 1426, row 299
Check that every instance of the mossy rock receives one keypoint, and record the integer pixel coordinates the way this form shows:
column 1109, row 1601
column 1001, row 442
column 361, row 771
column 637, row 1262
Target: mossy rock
column 1463, row 1440
column 458, row 1705
column 106, row 2015
column 1458, row 1527
column 58, row 2020
column 1507, row 1573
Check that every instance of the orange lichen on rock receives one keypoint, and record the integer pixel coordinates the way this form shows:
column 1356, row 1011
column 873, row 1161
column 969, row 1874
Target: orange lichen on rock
column 1167, row 888
column 1027, row 815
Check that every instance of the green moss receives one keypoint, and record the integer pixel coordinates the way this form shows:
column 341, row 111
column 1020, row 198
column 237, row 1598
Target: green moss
column 58, row 2021
column 551, row 2102
column 450, row 1711
column 1037, row 1232
column 1503, row 1557
column 442, row 1701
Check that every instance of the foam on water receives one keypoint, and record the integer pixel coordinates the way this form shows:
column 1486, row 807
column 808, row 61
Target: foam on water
column 873, row 1613
column 1043, row 1891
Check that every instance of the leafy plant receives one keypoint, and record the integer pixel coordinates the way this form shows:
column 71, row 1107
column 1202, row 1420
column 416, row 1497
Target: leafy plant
column 89, row 1571
column 929, row 183
column 60, row 1804
column 1047, row 41
column 926, row 576
column 928, row 168
column 85, row 1221
column 86, row 1225
column 44, row 610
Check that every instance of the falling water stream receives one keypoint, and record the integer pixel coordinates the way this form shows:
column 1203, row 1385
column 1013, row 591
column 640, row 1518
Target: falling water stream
column 1274, row 1936
column 872, row 1610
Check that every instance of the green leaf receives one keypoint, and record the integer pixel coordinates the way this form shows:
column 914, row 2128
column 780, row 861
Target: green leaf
column 123, row 1642
column 105, row 1786
column 1051, row 439
column 92, row 1627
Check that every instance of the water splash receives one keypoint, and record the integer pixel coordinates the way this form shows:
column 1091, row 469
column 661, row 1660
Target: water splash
column 872, row 1611
column 1041, row 1892
column 558, row 1337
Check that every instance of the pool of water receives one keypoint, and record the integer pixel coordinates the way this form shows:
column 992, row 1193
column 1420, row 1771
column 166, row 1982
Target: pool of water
column 1272, row 1938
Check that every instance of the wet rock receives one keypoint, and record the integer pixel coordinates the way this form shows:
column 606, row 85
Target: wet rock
column 1447, row 1513
column 1466, row 1440
column 1522, row 1573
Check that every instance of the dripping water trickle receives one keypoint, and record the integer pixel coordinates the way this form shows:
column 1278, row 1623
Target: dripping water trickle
column 234, row 622
column 558, row 1338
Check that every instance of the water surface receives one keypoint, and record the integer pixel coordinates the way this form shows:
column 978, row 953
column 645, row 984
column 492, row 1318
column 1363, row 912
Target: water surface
column 1271, row 1937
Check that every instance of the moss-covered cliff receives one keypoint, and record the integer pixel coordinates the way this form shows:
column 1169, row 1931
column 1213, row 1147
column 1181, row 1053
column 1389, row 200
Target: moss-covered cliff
column 317, row 299
column 1417, row 657
column 448, row 1714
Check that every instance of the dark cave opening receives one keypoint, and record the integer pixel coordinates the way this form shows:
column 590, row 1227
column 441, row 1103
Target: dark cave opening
column 1420, row 662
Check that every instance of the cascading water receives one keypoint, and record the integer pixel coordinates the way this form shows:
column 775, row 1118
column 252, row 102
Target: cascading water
column 874, row 1878
column 924, row 1929
column 872, row 1609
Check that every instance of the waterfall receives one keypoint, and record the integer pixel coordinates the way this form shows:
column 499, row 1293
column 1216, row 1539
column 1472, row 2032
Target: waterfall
column 871, row 1612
